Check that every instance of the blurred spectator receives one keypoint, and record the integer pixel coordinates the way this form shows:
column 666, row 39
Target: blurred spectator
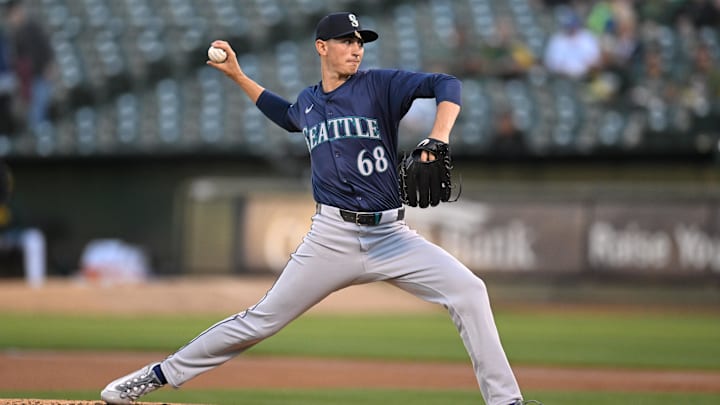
column 468, row 50
column 5, row 189
column 28, row 242
column 33, row 58
column 615, row 24
column 660, row 12
column 701, row 91
column 702, row 13
column 687, row 36
column 600, row 17
column 623, row 45
column 707, row 68
column 10, row 255
column 573, row 50
column 651, row 80
column 7, row 246
column 504, row 55
column 7, row 87
column 657, row 92
column 508, row 141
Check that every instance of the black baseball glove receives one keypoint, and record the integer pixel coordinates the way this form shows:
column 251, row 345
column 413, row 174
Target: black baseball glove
column 426, row 183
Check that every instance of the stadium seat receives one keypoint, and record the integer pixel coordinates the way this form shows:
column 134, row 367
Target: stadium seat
column 86, row 130
column 136, row 69
column 483, row 18
column 212, row 105
column 169, row 111
column 127, row 118
column 476, row 119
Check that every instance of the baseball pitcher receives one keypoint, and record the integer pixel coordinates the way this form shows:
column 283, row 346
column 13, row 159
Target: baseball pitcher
column 358, row 235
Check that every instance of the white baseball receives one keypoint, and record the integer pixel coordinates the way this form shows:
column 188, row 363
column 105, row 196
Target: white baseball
column 217, row 55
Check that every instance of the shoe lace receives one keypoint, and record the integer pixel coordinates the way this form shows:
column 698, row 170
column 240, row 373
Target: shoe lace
column 136, row 387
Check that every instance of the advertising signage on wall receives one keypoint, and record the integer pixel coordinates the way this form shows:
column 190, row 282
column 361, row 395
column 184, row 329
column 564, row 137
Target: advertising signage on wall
column 506, row 237
column 487, row 238
column 258, row 232
column 669, row 238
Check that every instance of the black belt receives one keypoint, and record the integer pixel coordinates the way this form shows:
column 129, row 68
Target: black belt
column 368, row 218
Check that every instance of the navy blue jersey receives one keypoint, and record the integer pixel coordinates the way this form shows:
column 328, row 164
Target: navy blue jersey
column 352, row 132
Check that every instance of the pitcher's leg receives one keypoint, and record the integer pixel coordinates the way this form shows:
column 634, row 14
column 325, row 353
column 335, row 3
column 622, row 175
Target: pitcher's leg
column 430, row 273
column 306, row 280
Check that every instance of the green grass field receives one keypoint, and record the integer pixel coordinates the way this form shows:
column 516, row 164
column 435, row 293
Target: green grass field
column 383, row 397
column 673, row 341
column 633, row 340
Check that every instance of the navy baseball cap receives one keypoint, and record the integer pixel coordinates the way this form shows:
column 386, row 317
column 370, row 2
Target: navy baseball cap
column 339, row 25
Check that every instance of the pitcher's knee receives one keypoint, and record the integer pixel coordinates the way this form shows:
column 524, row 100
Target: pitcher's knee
column 260, row 326
column 472, row 284
column 472, row 292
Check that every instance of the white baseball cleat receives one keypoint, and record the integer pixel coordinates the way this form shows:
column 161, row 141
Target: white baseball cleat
column 127, row 389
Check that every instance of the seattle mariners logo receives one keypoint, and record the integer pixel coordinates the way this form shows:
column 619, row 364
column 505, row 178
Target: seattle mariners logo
column 353, row 20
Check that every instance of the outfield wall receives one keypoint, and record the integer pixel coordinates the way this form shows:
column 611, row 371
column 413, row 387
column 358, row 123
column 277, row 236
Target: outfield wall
column 239, row 231
column 193, row 216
